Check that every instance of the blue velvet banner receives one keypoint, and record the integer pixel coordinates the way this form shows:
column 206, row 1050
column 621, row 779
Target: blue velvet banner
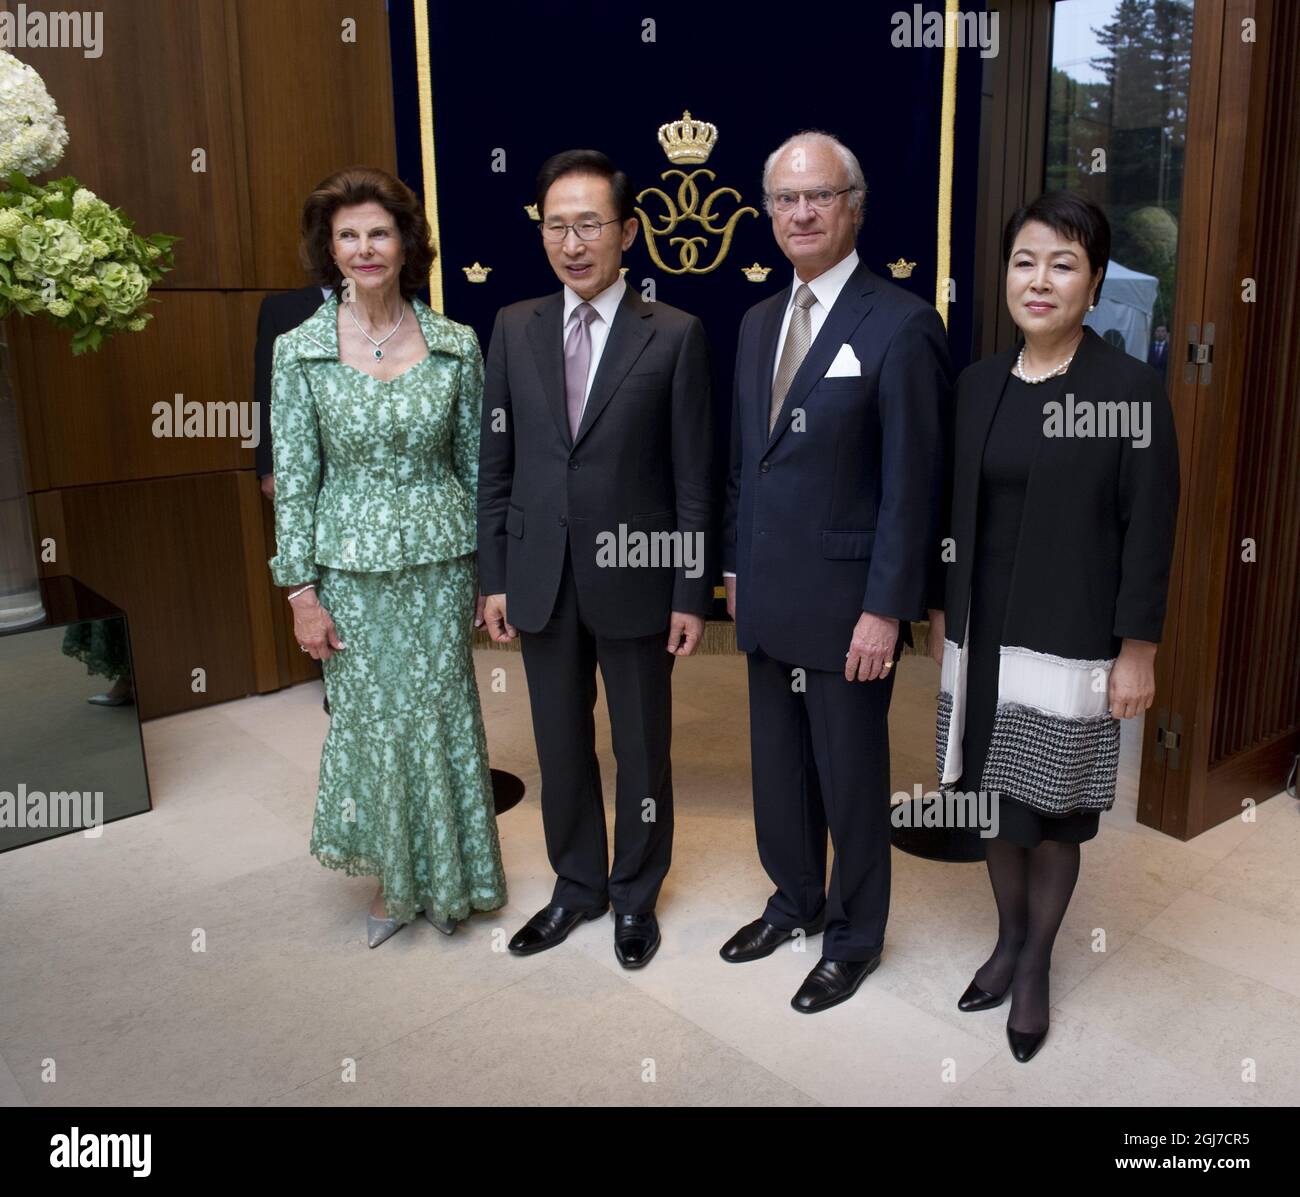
column 512, row 83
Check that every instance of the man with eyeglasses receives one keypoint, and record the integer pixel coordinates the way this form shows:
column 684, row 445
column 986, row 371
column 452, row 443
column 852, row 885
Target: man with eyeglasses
column 594, row 507
column 834, row 507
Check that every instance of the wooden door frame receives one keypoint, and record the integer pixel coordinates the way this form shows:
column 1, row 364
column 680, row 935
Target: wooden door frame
column 1229, row 106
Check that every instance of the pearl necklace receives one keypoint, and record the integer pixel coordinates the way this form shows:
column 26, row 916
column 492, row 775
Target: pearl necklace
column 379, row 353
column 1052, row 373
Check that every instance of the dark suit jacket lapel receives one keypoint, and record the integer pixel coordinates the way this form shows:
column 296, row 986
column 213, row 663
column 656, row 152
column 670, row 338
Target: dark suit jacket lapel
column 308, row 300
column 851, row 306
column 768, row 335
column 545, row 335
column 627, row 337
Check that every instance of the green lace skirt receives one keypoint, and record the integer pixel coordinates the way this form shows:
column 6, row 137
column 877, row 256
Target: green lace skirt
column 100, row 645
column 405, row 794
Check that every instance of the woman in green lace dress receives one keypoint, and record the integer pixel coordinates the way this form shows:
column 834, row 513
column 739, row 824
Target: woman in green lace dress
column 375, row 426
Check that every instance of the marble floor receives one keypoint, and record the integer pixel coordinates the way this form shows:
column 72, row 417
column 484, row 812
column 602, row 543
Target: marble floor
column 197, row 954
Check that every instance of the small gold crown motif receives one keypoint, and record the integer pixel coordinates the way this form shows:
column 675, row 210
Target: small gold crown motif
column 756, row 273
column 477, row 273
column 901, row 268
column 533, row 214
column 688, row 142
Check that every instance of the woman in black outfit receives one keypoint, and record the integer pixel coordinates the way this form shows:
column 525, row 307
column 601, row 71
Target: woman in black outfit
column 1065, row 501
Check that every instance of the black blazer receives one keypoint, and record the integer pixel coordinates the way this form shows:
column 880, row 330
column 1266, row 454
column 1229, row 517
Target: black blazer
column 279, row 313
column 641, row 459
column 1097, row 530
column 842, row 515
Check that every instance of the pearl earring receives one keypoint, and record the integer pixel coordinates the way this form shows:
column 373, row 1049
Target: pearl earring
column 1092, row 307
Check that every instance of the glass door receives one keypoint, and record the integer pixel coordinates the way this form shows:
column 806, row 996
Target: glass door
column 1117, row 131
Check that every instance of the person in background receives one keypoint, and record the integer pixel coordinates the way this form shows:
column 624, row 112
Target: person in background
column 1158, row 356
column 280, row 312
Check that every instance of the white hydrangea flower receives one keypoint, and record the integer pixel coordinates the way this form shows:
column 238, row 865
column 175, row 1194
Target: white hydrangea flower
column 32, row 133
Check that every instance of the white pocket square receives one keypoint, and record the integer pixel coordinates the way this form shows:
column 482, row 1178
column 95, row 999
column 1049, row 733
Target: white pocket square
column 846, row 364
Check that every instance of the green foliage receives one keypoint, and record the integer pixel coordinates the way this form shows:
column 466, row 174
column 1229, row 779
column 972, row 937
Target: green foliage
column 66, row 255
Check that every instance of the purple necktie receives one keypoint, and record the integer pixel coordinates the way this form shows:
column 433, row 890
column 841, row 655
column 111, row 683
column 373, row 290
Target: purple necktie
column 577, row 361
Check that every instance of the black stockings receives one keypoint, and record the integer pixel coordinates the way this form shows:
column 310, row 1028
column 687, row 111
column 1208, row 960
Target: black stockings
column 1032, row 887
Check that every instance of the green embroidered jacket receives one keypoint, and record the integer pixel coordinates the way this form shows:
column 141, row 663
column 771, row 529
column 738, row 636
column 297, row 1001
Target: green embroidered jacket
column 400, row 457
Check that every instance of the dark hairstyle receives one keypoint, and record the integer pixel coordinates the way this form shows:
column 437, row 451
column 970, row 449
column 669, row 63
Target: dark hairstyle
column 363, row 185
column 586, row 162
column 1071, row 215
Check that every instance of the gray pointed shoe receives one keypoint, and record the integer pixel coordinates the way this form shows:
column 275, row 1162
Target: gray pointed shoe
column 447, row 927
column 378, row 930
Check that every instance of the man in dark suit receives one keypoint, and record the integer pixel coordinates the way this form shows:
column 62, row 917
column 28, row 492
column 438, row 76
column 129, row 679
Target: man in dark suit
column 279, row 313
column 1158, row 354
column 834, row 510
column 594, row 505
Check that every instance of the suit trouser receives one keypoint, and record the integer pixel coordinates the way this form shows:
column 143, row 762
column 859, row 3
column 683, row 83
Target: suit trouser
column 820, row 758
column 560, row 662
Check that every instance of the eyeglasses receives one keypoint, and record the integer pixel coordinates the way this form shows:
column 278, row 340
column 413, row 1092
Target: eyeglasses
column 586, row 230
column 818, row 197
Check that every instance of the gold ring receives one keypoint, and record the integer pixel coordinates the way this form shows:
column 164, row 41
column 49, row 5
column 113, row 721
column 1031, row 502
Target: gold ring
column 889, row 665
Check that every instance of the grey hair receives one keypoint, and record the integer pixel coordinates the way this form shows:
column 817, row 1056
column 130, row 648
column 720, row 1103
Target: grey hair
column 848, row 159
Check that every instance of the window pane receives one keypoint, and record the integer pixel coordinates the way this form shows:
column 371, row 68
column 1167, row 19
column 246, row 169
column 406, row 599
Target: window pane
column 1116, row 131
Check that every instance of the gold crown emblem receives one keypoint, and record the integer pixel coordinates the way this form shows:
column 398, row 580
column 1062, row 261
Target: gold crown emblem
column 688, row 141
column 533, row 214
column 477, row 273
column 756, row 273
column 901, row 268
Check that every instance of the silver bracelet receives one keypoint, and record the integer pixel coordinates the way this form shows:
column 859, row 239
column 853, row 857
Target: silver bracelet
column 301, row 590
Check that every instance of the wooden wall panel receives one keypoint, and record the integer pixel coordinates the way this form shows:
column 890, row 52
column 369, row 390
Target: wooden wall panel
column 175, row 530
column 341, row 114
column 160, row 90
column 170, row 552
column 90, row 419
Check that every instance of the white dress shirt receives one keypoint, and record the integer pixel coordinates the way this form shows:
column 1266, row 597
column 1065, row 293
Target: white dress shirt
column 826, row 287
column 606, row 305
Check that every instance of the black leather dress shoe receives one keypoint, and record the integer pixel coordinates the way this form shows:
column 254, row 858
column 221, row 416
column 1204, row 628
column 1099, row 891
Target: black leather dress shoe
column 832, row 982
column 759, row 938
column 1025, row 1043
column 636, row 938
column 976, row 998
column 549, row 926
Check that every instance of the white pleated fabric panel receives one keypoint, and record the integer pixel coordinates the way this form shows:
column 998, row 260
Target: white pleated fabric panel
column 1058, row 685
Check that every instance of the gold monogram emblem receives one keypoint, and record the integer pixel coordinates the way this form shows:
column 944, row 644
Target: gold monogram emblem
column 689, row 141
